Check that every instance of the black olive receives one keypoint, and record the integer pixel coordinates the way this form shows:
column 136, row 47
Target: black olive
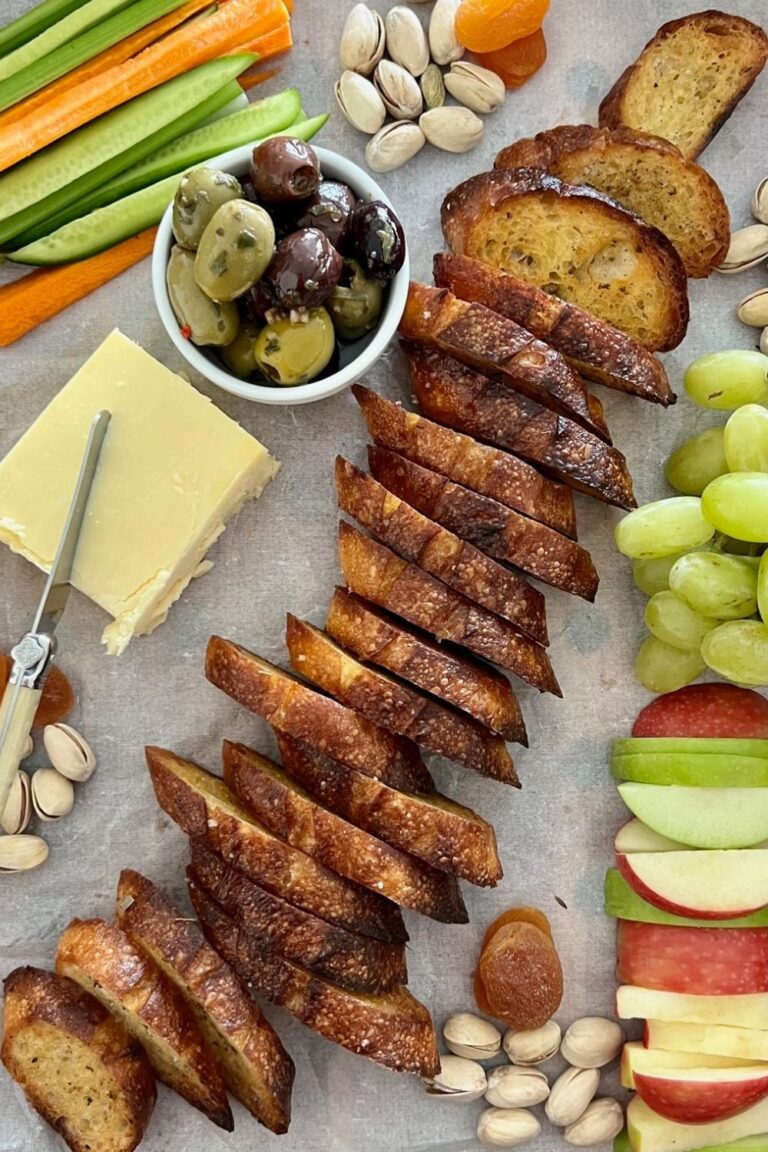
column 284, row 169
column 304, row 270
column 329, row 209
column 257, row 301
column 377, row 239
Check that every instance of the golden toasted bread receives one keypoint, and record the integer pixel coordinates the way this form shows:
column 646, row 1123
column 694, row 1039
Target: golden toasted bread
column 256, row 1068
column 394, row 1029
column 293, row 707
column 688, row 79
column 455, row 395
column 295, row 816
column 77, row 1065
column 102, row 960
column 440, row 552
column 203, row 807
column 577, row 243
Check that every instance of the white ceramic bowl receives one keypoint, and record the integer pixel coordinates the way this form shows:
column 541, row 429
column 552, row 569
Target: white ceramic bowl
column 357, row 357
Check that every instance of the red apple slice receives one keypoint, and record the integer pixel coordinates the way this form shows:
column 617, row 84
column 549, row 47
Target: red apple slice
column 698, row 961
column 705, row 710
column 634, row 836
column 650, row 1132
column 750, row 1011
column 716, row 885
column 636, row 1058
column 712, row 1039
column 702, row 1095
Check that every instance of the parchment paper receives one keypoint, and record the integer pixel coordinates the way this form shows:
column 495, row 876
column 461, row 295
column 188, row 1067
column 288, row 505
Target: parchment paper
column 555, row 836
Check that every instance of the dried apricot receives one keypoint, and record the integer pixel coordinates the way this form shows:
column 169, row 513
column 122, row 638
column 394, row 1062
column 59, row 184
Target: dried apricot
column 519, row 979
column 57, row 699
column 485, row 25
column 518, row 916
column 518, row 61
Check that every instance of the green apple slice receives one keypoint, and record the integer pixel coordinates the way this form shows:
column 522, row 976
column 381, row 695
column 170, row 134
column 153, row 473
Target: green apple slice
column 621, row 902
column 649, row 1132
column 748, row 1144
column 691, row 769
column 701, row 817
column 631, row 745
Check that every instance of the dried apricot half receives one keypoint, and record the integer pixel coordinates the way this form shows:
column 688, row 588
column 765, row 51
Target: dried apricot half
column 519, row 979
column 57, row 699
column 518, row 61
column 485, row 25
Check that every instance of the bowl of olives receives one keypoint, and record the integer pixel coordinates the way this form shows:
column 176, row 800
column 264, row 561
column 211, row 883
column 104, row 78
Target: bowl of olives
column 280, row 271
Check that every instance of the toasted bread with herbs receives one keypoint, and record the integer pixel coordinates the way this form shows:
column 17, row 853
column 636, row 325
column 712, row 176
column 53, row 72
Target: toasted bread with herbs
column 374, row 572
column 488, row 525
column 76, row 1064
column 644, row 173
column 393, row 1029
column 577, row 243
column 497, row 474
column 688, row 79
column 441, row 552
column 452, row 394
column 101, row 959
column 299, row 819
column 203, row 807
column 293, row 707
column 346, row 958
column 256, row 1068
column 597, row 350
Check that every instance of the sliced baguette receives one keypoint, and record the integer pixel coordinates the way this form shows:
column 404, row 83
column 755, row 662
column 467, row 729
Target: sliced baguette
column 499, row 531
column 101, row 959
column 463, row 567
column 77, row 1065
column 376, row 573
column 648, row 175
column 352, row 852
column 395, row 705
column 688, row 79
column 203, row 806
column 293, row 707
column 576, row 242
column 455, row 395
column 486, row 470
column 394, row 1029
column 594, row 348
column 335, row 953
column 256, row 1068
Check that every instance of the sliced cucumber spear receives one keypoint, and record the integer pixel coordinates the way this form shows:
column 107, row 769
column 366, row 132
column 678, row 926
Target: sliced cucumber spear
column 32, row 23
column 61, row 32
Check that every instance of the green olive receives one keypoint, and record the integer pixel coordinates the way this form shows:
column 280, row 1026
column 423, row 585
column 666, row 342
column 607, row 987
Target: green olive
column 355, row 303
column 290, row 354
column 207, row 322
column 198, row 196
column 238, row 356
column 236, row 247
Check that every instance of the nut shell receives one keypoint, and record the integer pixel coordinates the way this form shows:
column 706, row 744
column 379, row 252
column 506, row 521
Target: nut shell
column 748, row 247
column 443, row 42
column 406, row 40
column 760, row 202
column 507, row 1127
column 53, row 795
column 532, row 1046
column 362, row 40
column 592, row 1042
column 476, row 87
column 451, row 128
column 18, row 807
column 22, row 853
column 457, row 1079
column 471, row 1036
column 511, row 1087
column 70, row 754
column 570, row 1095
column 398, row 89
column 360, row 102
column 753, row 309
column 394, row 145
column 602, row 1121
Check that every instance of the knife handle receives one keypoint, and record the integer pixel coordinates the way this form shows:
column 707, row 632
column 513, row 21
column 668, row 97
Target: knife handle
column 12, row 750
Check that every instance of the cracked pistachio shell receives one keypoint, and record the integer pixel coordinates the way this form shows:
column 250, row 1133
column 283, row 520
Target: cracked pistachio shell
column 406, row 40
column 398, row 89
column 602, row 1122
column 753, row 309
column 360, row 102
column 513, row 1087
column 457, row 1079
column 507, row 1127
column 592, row 1042
column 362, row 40
column 53, row 796
column 764, row 341
column 748, row 247
column 18, row 807
column 452, row 129
column 22, row 853
column 69, row 753
column 570, row 1095
column 443, row 42
column 394, row 145
column 475, row 87
column 471, row 1036
column 760, row 202
column 533, row 1046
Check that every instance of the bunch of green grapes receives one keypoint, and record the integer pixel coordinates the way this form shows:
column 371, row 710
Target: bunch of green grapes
column 701, row 557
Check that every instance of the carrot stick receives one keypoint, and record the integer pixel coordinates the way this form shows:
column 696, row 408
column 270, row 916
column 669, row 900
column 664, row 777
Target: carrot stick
column 42, row 294
column 272, row 43
column 251, row 80
column 194, row 43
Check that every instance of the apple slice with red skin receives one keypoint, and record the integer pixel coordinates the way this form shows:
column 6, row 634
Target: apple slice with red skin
column 653, row 1061
column 749, row 1044
column 697, row 961
column 718, row 885
column 650, row 1132
column 747, row 1011
column 706, row 710
column 702, row 1095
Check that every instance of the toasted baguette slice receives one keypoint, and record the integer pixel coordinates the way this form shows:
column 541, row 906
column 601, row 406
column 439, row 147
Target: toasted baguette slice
column 335, row 953
column 102, row 960
column 395, row 705
column 77, row 1065
column 489, row 342
column 488, row 525
column 455, row 395
column 352, row 852
column 394, row 1030
column 644, row 173
column 203, row 806
column 594, row 348
column 475, row 688
column 577, row 242
column 293, row 707
column 688, row 79
column 440, row 552
column 486, row 470
column 376, row 573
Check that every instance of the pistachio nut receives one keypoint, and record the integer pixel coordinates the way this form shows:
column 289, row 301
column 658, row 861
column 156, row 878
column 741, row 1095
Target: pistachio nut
column 53, row 795
column 506, row 1127
column 443, row 42
column 764, row 341
column 18, row 807
column 753, row 309
column 533, row 1046
column 748, row 247
column 452, row 129
column 360, row 102
column 570, row 1094
column 511, row 1087
column 475, row 87
column 406, row 40
column 22, row 853
column 760, row 202
column 457, row 1079
column 602, row 1121
column 471, row 1036
column 433, row 87
column 68, row 752
column 592, row 1041
column 394, row 145
column 398, row 89
column 362, row 40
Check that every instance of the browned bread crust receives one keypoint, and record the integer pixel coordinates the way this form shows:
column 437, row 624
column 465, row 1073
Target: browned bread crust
column 102, row 960
column 401, row 525
column 489, row 525
column 376, row 573
column 293, row 707
column 77, row 1065
column 203, row 807
column 394, row 1029
column 295, row 816
column 594, row 348
column 455, row 395
column 483, row 469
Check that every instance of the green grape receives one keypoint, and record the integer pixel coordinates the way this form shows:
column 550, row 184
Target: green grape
column 696, row 462
column 672, row 621
column 726, row 380
column 663, row 528
column 662, row 668
column 746, row 439
column 762, row 587
column 737, row 504
column 738, row 650
column 652, row 576
column 712, row 584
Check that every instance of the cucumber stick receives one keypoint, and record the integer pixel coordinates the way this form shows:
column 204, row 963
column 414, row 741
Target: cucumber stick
column 32, row 23
column 59, row 33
